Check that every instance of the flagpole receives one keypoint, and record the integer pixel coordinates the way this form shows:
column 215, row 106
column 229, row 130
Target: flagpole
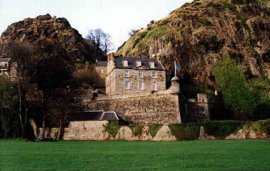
column 174, row 68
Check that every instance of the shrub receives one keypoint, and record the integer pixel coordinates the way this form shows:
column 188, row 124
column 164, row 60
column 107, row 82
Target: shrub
column 262, row 126
column 220, row 129
column 233, row 85
column 153, row 129
column 138, row 37
column 88, row 76
column 112, row 127
column 136, row 129
column 185, row 131
column 205, row 22
column 262, row 110
column 157, row 32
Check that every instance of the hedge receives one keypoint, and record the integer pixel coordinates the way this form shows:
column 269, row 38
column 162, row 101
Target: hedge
column 185, row 131
column 153, row 129
column 262, row 126
column 136, row 129
column 191, row 131
column 112, row 127
column 220, row 129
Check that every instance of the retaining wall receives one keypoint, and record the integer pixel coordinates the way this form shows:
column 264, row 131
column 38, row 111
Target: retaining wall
column 144, row 108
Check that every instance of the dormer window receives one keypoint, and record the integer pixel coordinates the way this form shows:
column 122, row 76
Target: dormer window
column 125, row 63
column 138, row 63
column 152, row 64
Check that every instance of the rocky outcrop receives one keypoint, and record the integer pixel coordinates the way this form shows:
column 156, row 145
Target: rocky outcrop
column 52, row 34
column 198, row 34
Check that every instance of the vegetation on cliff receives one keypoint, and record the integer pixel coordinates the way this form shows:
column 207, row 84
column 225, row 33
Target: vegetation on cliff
column 52, row 33
column 199, row 34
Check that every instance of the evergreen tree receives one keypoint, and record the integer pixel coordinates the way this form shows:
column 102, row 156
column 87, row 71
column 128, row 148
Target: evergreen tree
column 232, row 83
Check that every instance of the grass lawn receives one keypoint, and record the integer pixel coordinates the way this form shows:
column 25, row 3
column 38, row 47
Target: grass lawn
column 135, row 155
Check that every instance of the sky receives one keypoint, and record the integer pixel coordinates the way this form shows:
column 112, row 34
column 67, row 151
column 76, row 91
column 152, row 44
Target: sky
column 116, row 17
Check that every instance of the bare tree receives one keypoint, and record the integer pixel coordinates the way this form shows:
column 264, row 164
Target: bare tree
column 101, row 39
column 23, row 54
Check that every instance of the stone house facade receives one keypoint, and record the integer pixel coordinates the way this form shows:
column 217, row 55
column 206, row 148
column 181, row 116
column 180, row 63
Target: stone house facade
column 8, row 68
column 126, row 75
column 5, row 65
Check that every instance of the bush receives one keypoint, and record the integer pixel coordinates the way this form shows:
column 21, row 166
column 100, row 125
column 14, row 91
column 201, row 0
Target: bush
column 157, row 32
column 220, row 129
column 205, row 22
column 233, row 85
column 262, row 110
column 112, row 127
column 153, row 129
column 88, row 76
column 262, row 126
column 136, row 129
column 185, row 131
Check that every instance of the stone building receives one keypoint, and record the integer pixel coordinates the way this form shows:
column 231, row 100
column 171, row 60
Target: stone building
column 8, row 68
column 4, row 65
column 126, row 75
column 200, row 109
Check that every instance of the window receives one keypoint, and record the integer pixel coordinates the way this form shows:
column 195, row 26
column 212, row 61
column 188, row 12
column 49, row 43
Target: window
column 125, row 63
column 140, row 74
column 152, row 64
column 127, row 84
column 154, row 74
column 155, row 86
column 127, row 73
column 138, row 63
column 141, row 85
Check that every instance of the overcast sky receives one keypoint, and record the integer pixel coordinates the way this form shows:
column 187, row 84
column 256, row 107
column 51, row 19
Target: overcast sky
column 116, row 17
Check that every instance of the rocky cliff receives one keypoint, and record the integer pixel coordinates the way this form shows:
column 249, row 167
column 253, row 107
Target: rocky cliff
column 52, row 32
column 198, row 34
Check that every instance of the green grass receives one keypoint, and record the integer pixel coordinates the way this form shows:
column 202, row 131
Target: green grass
column 135, row 155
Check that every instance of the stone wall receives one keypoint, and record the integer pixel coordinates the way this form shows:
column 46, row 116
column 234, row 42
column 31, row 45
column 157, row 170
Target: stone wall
column 142, row 108
column 86, row 130
column 94, row 130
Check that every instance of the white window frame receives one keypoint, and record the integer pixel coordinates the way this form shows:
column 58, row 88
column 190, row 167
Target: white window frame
column 141, row 85
column 154, row 74
column 138, row 63
column 127, row 73
column 125, row 63
column 140, row 74
column 155, row 86
column 127, row 84
column 152, row 64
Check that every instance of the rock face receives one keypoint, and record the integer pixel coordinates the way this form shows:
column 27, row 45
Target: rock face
column 52, row 32
column 198, row 34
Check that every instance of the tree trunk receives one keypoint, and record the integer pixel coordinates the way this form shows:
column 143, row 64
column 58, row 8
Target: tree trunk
column 20, row 110
column 60, row 130
column 44, row 118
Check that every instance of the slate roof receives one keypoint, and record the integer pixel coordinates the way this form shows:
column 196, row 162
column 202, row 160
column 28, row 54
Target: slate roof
column 94, row 116
column 101, row 63
column 5, row 59
column 132, row 63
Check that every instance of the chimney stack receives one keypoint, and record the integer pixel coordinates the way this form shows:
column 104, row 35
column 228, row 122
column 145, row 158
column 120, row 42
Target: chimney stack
column 111, row 56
